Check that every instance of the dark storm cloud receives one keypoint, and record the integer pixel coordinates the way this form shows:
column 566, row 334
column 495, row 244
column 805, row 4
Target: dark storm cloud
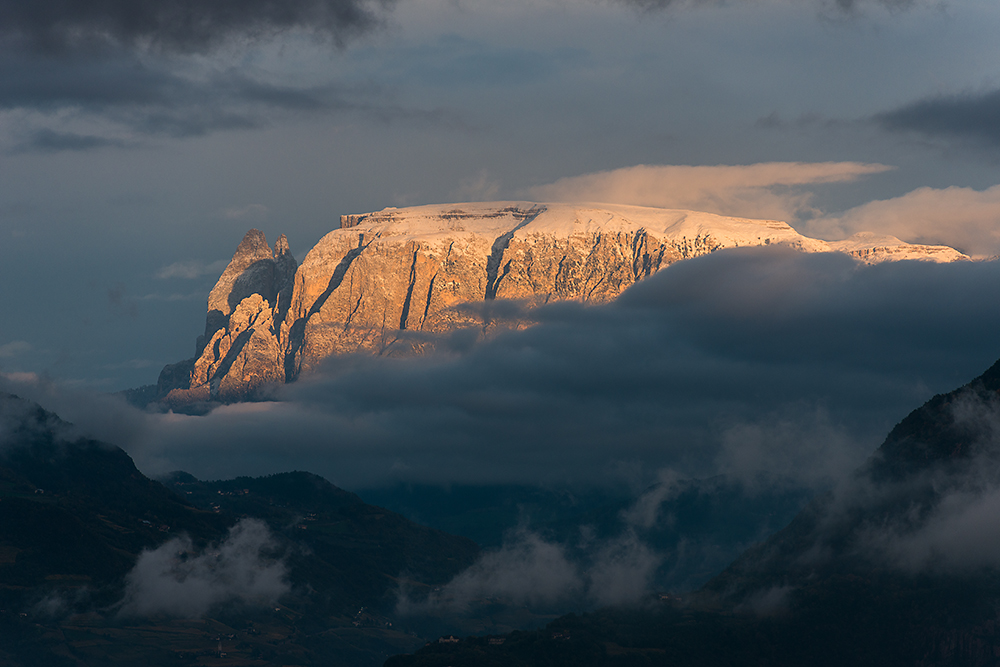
column 766, row 364
column 151, row 98
column 50, row 141
column 123, row 63
column 970, row 116
column 60, row 27
column 950, row 522
column 769, row 362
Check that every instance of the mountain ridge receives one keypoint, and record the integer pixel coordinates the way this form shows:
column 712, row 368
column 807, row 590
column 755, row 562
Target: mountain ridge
column 85, row 537
column 394, row 282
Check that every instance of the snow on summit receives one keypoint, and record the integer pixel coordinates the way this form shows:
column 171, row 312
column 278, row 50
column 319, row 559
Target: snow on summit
column 440, row 222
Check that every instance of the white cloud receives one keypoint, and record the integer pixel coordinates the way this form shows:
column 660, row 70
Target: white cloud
column 963, row 218
column 530, row 570
column 481, row 187
column 527, row 569
column 772, row 190
column 175, row 580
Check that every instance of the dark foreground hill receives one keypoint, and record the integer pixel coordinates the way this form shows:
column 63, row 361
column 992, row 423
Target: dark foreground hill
column 899, row 566
column 101, row 565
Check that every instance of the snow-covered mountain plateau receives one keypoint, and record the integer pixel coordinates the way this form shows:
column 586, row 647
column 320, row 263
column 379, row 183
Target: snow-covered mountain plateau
column 388, row 282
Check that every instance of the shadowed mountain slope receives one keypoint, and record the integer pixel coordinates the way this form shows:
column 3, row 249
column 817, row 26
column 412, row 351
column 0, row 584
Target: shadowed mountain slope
column 900, row 565
column 101, row 565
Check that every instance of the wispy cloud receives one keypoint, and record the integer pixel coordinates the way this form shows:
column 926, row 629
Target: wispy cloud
column 14, row 348
column 773, row 190
column 716, row 364
column 191, row 269
column 529, row 570
column 842, row 6
column 255, row 212
column 963, row 218
column 481, row 187
column 184, row 26
column 117, row 98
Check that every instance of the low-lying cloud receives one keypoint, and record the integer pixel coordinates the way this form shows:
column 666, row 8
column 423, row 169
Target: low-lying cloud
column 529, row 570
column 949, row 524
column 960, row 535
column 801, row 444
column 177, row 580
column 925, row 505
column 770, row 190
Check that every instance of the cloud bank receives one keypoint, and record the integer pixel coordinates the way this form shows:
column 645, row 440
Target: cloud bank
column 770, row 190
column 756, row 362
column 970, row 116
column 177, row 580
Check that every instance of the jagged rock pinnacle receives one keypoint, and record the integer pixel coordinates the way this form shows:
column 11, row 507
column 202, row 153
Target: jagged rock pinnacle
column 280, row 246
column 239, row 351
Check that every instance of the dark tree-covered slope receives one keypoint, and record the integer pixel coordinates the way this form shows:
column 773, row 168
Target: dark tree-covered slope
column 76, row 516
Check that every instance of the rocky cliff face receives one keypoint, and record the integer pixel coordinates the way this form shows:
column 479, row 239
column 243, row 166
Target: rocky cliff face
column 390, row 282
column 239, row 354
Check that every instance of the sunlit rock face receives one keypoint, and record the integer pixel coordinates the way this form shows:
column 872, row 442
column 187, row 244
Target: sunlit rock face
column 239, row 353
column 393, row 281
column 408, row 270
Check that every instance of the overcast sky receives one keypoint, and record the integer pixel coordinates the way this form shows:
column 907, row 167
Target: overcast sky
column 140, row 140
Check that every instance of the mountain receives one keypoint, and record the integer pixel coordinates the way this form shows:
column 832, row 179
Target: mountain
column 899, row 566
column 100, row 564
column 922, row 504
column 394, row 281
column 74, row 509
